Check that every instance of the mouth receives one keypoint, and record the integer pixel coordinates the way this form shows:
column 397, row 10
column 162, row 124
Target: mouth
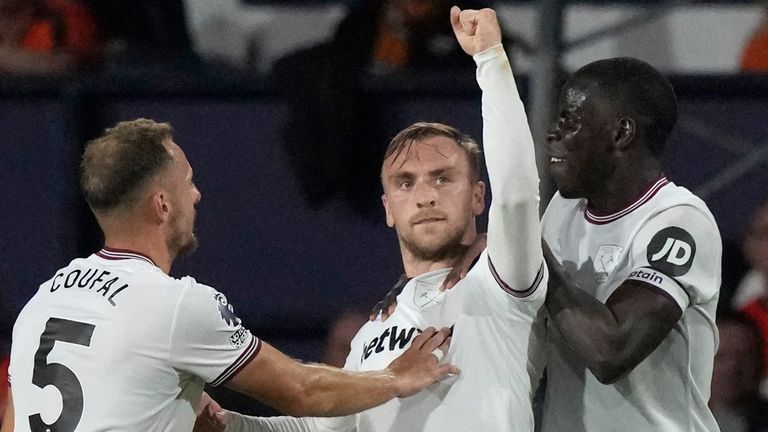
column 556, row 160
column 426, row 220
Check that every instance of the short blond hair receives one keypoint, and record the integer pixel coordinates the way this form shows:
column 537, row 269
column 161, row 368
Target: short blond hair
column 423, row 130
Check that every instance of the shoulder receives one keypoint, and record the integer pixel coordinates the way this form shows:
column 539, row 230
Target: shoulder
column 559, row 207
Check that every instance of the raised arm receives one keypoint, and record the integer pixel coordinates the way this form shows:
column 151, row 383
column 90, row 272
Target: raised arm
column 514, row 230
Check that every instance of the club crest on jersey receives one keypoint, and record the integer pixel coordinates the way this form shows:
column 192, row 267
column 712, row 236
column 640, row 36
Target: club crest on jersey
column 606, row 260
column 226, row 310
column 426, row 295
column 671, row 251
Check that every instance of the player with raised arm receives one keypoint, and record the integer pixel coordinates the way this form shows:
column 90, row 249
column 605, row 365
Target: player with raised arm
column 112, row 342
column 432, row 194
column 632, row 336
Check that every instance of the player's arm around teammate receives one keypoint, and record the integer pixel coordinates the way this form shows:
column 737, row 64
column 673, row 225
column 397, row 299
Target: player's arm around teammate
column 312, row 389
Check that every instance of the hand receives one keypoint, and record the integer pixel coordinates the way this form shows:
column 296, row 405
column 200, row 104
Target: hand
column 210, row 416
column 387, row 305
column 475, row 30
column 418, row 367
column 462, row 265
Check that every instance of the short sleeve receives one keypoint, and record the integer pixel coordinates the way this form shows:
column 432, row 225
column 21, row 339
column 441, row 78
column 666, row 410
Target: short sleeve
column 679, row 251
column 207, row 338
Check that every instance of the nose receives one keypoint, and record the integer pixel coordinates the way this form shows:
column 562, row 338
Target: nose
column 199, row 196
column 553, row 134
column 426, row 196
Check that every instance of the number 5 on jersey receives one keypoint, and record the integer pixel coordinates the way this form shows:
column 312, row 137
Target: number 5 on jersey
column 60, row 376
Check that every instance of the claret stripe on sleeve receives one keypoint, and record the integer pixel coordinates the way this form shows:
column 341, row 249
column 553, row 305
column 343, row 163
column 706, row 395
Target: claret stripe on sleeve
column 517, row 293
column 245, row 357
column 596, row 219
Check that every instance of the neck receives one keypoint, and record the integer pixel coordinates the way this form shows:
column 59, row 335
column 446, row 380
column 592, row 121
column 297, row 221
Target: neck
column 149, row 246
column 624, row 187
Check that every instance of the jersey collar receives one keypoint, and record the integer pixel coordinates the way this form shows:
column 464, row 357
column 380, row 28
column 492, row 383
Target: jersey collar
column 645, row 196
column 122, row 254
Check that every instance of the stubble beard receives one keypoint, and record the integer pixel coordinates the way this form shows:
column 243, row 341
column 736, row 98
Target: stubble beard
column 450, row 248
column 182, row 243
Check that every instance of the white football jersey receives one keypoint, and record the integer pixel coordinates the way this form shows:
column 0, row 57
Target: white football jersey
column 111, row 343
column 498, row 343
column 669, row 239
column 495, row 311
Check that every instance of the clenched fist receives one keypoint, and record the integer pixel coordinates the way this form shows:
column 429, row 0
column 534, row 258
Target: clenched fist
column 476, row 30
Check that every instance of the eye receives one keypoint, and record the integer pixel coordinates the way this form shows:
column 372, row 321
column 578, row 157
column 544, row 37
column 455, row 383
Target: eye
column 441, row 180
column 405, row 184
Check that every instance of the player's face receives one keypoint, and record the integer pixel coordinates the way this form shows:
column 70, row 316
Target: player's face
column 579, row 142
column 185, row 196
column 430, row 198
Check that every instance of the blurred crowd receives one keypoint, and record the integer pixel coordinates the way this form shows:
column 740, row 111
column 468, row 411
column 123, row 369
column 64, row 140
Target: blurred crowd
column 44, row 37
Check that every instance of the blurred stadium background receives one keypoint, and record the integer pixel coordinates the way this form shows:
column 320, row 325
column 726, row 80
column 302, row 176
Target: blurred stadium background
column 293, row 238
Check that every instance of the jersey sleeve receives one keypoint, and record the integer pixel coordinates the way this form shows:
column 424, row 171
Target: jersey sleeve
column 207, row 338
column 514, row 228
column 679, row 251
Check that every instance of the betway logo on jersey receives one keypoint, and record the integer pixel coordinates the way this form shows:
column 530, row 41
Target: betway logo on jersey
column 391, row 339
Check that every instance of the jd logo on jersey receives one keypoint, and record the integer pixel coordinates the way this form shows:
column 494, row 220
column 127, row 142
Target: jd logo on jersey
column 671, row 251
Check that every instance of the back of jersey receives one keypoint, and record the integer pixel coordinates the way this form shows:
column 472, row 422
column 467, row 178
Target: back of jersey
column 90, row 351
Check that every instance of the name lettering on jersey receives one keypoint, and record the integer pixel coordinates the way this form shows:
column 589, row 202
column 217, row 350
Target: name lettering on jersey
column 87, row 281
column 671, row 251
column 647, row 275
column 391, row 339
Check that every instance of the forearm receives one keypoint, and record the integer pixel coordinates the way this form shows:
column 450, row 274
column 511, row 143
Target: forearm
column 514, row 232
column 332, row 392
column 587, row 325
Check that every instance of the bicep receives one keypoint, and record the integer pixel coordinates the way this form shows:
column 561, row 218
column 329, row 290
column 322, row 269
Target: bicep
column 645, row 314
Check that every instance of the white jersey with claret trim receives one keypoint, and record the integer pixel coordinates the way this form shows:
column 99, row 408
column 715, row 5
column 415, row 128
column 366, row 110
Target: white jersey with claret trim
column 111, row 343
column 669, row 239
column 498, row 343
column 495, row 311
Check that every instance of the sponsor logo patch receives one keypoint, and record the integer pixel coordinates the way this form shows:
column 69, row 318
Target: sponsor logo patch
column 238, row 338
column 226, row 310
column 671, row 251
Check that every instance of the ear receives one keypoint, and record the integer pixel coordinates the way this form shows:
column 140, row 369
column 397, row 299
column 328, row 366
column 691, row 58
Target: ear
column 624, row 133
column 390, row 219
column 478, row 198
column 160, row 206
